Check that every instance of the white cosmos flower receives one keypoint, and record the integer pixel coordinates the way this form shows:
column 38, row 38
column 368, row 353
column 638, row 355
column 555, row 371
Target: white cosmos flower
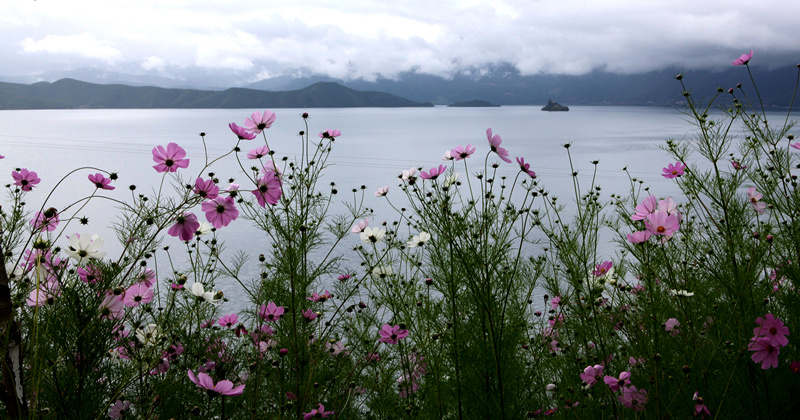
column 419, row 240
column 409, row 173
column 204, row 229
column 372, row 235
column 83, row 248
column 149, row 335
column 451, row 179
column 600, row 281
column 199, row 291
column 14, row 272
column 682, row 293
column 382, row 271
column 448, row 155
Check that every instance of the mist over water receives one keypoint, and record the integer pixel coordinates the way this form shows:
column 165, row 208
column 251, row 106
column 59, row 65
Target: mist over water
column 375, row 146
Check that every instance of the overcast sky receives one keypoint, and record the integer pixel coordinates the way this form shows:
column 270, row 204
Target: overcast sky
column 360, row 38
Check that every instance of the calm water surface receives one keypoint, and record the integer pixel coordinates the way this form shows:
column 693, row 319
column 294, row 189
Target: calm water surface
column 376, row 144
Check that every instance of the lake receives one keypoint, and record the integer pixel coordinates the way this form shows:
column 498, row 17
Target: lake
column 375, row 146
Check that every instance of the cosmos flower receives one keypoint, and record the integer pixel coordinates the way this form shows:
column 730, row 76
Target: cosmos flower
column 755, row 197
column 118, row 409
column 647, row 206
column 330, row 134
column 241, row 132
column 257, row 122
column 743, row 59
column 419, row 240
column 765, row 351
column 494, row 143
column 228, row 321
column 360, row 226
column 220, row 212
column 223, row 387
column 592, row 374
column 271, row 312
column 46, row 221
column 382, row 191
column 83, row 248
column 100, row 181
column 138, row 294
column 258, row 152
column 673, row 170
column 433, row 173
column 372, row 235
column 268, row 189
column 199, row 291
column 206, row 189
column 25, row 179
column 772, row 328
column 169, row 159
column 185, row 226
column 391, row 335
column 525, row 167
column 662, row 223
column 317, row 413
column 149, row 335
column 462, row 152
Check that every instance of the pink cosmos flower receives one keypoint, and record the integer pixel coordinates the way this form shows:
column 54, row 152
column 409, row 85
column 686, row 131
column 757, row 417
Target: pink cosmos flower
column 269, row 189
column 671, row 326
column 617, row 383
column 592, row 374
column 220, row 211
column 169, row 159
column 462, row 152
column 330, row 134
column 391, row 335
column 25, row 179
column 433, row 173
column 647, row 206
column 118, row 409
column 360, row 226
column 185, row 226
column 772, row 328
column 319, row 298
column 700, row 409
column 765, row 351
column 555, row 302
column 755, row 196
column 738, row 166
column 241, row 132
column 228, row 321
column 48, row 291
column 100, row 181
column 224, row 387
column 309, row 315
column 41, row 222
column 258, row 152
column 259, row 122
column 633, row 398
column 673, row 171
column 602, row 268
column 795, row 145
column 382, row 191
column 639, row 237
column 111, row 307
column 795, row 366
column 206, row 189
column 336, row 348
column 662, row 223
column 317, row 413
column 525, row 167
column 147, row 277
column 271, row 312
column 137, row 295
column 743, row 59
column 494, row 143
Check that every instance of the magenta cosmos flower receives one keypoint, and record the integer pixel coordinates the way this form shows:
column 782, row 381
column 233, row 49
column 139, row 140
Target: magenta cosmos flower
column 330, row 134
column 617, row 383
column 592, row 374
column 525, row 167
column 100, row 181
column 268, row 189
column 241, row 132
column 258, row 152
column 673, row 170
column 494, row 143
column 46, row 221
column 317, row 413
column 391, row 335
column 137, row 295
column 25, row 179
column 433, row 173
column 772, row 328
column 169, row 159
column 633, row 398
column 206, row 188
column 647, row 206
column 271, row 312
column 224, row 387
column 228, row 321
column 185, row 226
column 220, row 211
column 743, row 59
column 662, row 223
column 259, row 122
column 765, row 351
column 755, row 197
column 602, row 268
column 118, row 409
column 462, row 152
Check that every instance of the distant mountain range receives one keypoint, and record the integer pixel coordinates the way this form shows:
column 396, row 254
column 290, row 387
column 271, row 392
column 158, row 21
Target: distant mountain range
column 69, row 93
column 501, row 84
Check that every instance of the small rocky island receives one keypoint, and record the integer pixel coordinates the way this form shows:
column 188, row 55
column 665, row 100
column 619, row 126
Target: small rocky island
column 554, row 106
column 475, row 104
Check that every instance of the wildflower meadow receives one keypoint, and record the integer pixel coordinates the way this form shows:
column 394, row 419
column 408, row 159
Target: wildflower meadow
column 434, row 314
